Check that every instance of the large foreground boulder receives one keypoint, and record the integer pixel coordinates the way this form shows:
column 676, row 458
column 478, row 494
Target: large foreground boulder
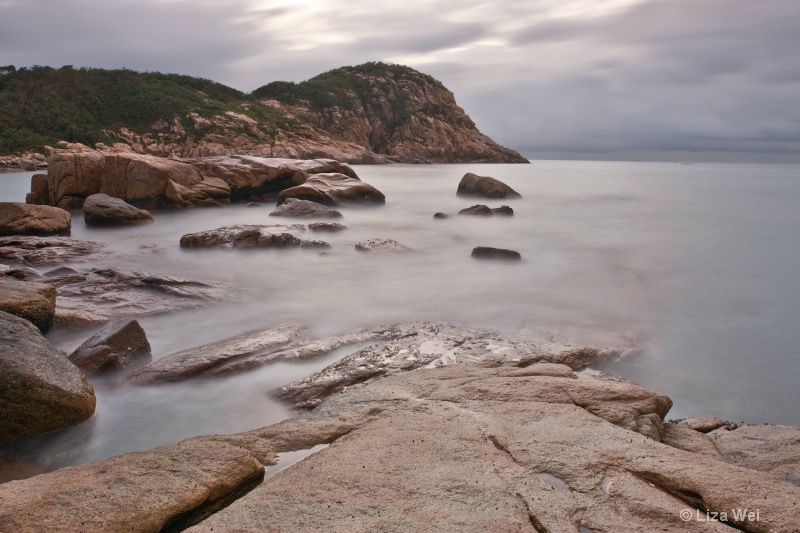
column 104, row 210
column 35, row 302
column 484, row 187
column 118, row 345
column 334, row 189
column 40, row 390
column 294, row 207
column 25, row 219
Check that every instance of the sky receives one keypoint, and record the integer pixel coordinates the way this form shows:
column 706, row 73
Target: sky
column 661, row 79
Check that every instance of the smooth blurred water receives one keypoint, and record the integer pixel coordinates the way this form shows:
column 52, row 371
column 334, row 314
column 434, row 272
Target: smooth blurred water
column 695, row 266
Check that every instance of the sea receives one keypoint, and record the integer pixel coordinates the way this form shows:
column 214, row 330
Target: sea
column 692, row 270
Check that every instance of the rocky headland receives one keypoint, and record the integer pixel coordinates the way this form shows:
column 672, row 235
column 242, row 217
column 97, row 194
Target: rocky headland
column 368, row 114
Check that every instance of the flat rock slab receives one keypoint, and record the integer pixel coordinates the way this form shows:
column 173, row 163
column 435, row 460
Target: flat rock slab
column 104, row 210
column 768, row 448
column 26, row 219
column 465, row 448
column 484, row 187
column 47, row 250
column 116, row 346
column 164, row 489
column 334, row 189
column 35, row 302
column 250, row 236
column 40, row 390
column 485, row 210
column 293, row 207
column 382, row 246
column 99, row 295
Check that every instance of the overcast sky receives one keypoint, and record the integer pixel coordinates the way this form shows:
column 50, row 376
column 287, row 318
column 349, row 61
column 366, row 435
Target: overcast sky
column 537, row 75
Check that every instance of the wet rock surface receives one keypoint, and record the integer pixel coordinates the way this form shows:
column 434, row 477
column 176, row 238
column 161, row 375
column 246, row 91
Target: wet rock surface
column 382, row 246
column 484, row 187
column 47, row 250
column 35, row 302
column 98, row 295
column 417, row 345
column 104, row 210
column 40, row 390
column 25, row 219
column 333, row 189
column 118, row 345
column 293, row 207
column 251, row 236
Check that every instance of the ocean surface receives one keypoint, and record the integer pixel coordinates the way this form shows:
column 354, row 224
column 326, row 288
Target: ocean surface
column 695, row 269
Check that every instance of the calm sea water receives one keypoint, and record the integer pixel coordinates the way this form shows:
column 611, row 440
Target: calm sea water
column 695, row 267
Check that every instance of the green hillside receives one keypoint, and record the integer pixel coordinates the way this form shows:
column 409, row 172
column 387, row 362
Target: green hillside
column 43, row 105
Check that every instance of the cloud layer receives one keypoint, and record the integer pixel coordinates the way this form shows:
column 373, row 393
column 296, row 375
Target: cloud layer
column 537, row 75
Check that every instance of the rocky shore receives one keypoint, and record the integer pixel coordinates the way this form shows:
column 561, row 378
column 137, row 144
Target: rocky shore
column 419, row 426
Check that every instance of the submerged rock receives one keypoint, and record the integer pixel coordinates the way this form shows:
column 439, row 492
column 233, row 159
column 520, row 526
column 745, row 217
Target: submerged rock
column 333, row 189
column 487, row 252
column 25, row 219
column 330, row 227
column 441, row 215
column 104, row 210
column 47, row 250
column 382, row 246
column 99, row 295
column 40, row 390
column 478, row 209
column 118, row 345
column 293, row 207
column 35, row 302
column 484, row 187
column 250, row 236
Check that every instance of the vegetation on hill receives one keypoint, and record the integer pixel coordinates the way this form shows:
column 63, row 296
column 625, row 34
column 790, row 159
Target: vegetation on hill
column 43, row 105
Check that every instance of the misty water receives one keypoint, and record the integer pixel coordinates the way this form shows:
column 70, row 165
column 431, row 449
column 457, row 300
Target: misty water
column 693, row 268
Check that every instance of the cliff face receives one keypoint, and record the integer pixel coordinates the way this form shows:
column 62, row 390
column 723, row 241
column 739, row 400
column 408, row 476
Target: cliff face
column 372, row 113
column 390, row 110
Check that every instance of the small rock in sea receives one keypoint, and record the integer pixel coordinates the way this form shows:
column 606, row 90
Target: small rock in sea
column 485, row 187
column 441, row 215
column 487, row 252
column 326, row 226
column 293, row 207
column 104, row 210
column 381, row 245
column 116, row 346
column 252, row 204
column 477, row 209
column 503, row 210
